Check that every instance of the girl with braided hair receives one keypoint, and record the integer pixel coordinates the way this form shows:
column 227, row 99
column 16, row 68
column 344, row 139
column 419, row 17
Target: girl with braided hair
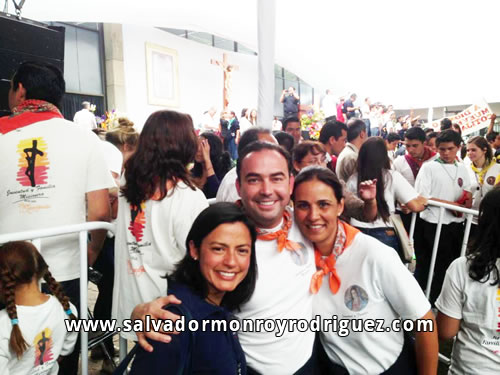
column 32, row 330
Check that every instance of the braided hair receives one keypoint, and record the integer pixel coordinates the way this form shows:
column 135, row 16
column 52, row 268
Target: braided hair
column 21, row 263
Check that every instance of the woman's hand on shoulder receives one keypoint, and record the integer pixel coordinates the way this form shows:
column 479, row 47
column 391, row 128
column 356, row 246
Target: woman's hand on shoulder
column 155, row 310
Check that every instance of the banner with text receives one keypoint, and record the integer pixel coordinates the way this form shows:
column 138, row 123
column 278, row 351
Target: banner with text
column 470, row 120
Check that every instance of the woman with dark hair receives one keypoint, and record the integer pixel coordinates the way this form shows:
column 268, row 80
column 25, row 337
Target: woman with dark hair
column 361, row 279
column 308, row 153
column 217, row 276
column 374, row 163
column 469, row 302
column 483, row 170
column 211, row 164
column 157, row 205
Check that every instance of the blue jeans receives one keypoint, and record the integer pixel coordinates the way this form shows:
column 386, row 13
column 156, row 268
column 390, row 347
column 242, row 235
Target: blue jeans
column 385, row 235
column 375, row 132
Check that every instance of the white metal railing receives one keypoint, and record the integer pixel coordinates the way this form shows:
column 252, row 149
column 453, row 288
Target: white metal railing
column 82, row 229
column 469, row 214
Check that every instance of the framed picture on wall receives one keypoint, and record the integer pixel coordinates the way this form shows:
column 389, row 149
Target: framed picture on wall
column 162, row 75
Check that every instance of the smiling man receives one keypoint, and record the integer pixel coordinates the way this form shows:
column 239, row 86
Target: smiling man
column 285, row 263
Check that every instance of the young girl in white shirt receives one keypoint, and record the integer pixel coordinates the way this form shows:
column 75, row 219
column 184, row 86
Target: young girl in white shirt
column 32, row 330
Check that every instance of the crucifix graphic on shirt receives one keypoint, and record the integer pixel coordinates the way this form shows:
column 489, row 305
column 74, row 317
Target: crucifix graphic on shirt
column 33, row 162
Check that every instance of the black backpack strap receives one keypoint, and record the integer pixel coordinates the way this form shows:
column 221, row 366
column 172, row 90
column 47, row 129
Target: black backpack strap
column 186, row 366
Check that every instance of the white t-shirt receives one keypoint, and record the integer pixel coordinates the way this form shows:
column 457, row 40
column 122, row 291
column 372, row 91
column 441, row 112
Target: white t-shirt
column 396, row 189
column 401, row 165
column 477, row 305
column 113, row 157
column 85, row 119
column 69, row 163
column 281, row 292
column 150, row 247
column 385, row 290
column 42, row 327
column 209, row 123
column 227, row 189
column 479, row 191
column 244, row 125
column 442, row 181
column 329, row 106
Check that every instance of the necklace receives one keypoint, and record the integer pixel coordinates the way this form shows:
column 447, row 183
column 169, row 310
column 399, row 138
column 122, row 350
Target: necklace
column 212, row 302
column 440, row 161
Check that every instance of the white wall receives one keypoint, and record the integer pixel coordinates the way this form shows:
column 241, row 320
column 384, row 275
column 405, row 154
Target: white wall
column 200, row 83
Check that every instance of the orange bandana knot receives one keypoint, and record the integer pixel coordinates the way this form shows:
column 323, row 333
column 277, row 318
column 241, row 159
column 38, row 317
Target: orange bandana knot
column 326, row 266
column 281, row 235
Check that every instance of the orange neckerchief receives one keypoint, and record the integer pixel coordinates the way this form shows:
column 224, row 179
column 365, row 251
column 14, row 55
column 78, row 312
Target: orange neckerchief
column 326, row 266
column 281, row 235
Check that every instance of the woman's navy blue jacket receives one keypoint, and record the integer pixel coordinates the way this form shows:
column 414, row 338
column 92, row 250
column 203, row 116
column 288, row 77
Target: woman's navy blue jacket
column 209, row 352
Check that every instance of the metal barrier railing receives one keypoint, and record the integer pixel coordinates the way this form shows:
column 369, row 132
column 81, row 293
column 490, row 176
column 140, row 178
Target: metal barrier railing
column 82, row 229
column 468, row 222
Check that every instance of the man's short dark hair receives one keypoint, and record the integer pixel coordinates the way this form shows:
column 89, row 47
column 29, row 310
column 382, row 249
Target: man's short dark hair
column 354, row 129
column 448, row 136
column 42, row 81
column 251, row 135
column 491, row 137
column 259, row 146
column 285, row 140
column 415, row 134
column 391, row 137
column 289, row 120
column 445, row 124
column 331, row 129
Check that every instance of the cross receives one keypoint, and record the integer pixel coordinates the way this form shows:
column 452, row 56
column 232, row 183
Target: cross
column 228, row 81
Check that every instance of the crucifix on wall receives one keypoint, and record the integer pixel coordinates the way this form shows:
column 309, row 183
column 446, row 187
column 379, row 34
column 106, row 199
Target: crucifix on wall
column 228, row 79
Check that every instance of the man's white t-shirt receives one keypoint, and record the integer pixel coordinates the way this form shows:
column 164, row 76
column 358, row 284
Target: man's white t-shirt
column 477, row 346
column 227, row 189
column 66, row 163
column 281, row 292
column 374, row 285
column 113, row 157
column 85, row 119
column 396, row 189
column 401, row 165
column 150, row 247
column 442, row 181
column 45, row 333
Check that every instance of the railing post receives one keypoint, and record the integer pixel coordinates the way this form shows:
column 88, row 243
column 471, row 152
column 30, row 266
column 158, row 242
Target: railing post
column 468, row 224
column 434, row 252
column 83, row 299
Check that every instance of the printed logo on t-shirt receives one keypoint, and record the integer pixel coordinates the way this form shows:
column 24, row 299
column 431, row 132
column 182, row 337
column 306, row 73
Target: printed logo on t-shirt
column 33, row 162
column 355, row 298
column 137, row 221
column 31, row 195
column 43, row 348
column 490, row 180
column 299, row 256
column 460, row 182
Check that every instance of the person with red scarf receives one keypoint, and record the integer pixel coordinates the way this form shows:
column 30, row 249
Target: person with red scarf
column 53, row 173
column 417, row 153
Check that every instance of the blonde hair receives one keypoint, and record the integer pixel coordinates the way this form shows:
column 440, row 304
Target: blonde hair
column 123, row 134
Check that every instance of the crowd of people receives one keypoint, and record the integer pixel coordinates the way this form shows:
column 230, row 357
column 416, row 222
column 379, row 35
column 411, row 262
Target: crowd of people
column 302, row 239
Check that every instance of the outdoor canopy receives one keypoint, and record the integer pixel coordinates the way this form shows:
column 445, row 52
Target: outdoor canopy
column 406, row 53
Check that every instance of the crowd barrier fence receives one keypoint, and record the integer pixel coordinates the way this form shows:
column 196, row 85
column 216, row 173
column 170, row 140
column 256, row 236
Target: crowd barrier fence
column 35, row 237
